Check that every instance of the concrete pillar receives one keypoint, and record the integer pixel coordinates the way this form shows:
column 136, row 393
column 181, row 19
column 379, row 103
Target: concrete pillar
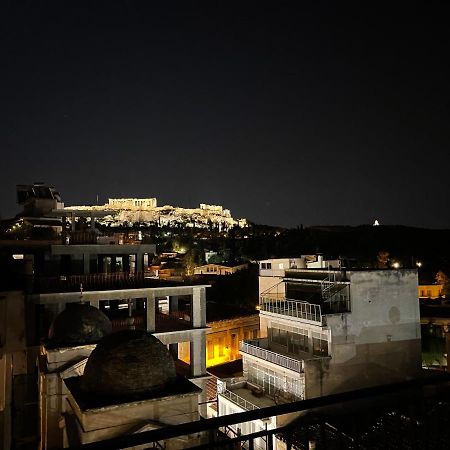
column 86, row 263
column 198, row 307
column 64, row 230
column 198, row 354
column 139, row 261
column 6, row 365
column 29, row 272
column 150, row 307
column 310, row 341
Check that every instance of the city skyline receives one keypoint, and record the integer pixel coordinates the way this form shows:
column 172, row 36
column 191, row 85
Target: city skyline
column 311, row 114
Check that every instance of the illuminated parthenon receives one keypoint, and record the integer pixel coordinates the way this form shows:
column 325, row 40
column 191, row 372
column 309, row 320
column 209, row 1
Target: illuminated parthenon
column 146, row 211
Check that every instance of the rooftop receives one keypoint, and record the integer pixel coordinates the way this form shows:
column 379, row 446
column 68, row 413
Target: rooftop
column 103, row 282
column 89, row 401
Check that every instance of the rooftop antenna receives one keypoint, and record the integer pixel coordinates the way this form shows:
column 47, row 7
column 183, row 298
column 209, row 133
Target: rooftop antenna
column 97, row 199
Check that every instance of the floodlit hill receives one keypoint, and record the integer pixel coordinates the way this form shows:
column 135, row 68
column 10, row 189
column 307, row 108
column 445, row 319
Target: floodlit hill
column 146, row 212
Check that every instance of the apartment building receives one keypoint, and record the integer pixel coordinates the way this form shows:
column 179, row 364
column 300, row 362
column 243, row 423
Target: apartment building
column 327, row 330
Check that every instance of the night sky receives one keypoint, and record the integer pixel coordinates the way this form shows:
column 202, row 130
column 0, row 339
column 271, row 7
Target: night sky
column 287, row 113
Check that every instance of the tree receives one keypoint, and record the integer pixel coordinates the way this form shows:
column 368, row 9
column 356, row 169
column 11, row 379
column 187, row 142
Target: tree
column 442, row 278
column 383, row 259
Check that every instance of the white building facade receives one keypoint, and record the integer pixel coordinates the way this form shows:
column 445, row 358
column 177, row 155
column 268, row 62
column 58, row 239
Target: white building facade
column 327, row 330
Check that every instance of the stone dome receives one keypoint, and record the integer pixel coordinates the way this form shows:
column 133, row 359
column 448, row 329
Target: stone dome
column 78, row 324
column 126, row 363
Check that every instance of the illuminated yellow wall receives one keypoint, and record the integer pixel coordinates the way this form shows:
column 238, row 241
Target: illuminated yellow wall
column 223, row 338
column 430, row 290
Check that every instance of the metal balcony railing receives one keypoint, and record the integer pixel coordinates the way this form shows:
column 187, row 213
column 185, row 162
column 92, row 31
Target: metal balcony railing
column 412, row 432
column 251, row 348
column 294, row 308
column 238, row 400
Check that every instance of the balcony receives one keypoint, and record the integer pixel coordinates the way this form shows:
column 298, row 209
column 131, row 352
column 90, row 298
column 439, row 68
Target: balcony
column 238, row 400
column 98, row 282
column 256, row 348
column 244, row 394
column 163, row 322
column 302, row 310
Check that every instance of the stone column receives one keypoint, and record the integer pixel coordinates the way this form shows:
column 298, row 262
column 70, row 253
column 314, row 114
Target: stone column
column 72, row 218
column 150, row 306
column 92, row 222
column 198, row 307
column 198, row 353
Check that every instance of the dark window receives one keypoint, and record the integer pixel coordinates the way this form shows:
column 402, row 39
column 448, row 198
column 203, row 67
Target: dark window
column 320, row 347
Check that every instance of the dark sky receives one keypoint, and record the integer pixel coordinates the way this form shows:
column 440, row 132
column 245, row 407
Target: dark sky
column 285, row 112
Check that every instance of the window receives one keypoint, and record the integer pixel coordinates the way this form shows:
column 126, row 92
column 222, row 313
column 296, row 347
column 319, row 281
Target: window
column 279, row 336
column 298, row 343
column 320, row 347
column 266, row 266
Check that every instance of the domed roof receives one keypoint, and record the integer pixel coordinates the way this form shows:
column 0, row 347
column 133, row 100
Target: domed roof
column 78, row 324
column 126, row 363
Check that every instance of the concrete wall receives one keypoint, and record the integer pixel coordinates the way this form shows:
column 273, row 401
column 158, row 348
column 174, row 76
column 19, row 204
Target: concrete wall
column 220, row 347
column 272, row 286
column 378, row 342
column 54, row 366
column 12, row 329
column 111, row 421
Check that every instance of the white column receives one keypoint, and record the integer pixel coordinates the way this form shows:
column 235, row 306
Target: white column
column 198, row 353
column 198, row 307
column 150, row 308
